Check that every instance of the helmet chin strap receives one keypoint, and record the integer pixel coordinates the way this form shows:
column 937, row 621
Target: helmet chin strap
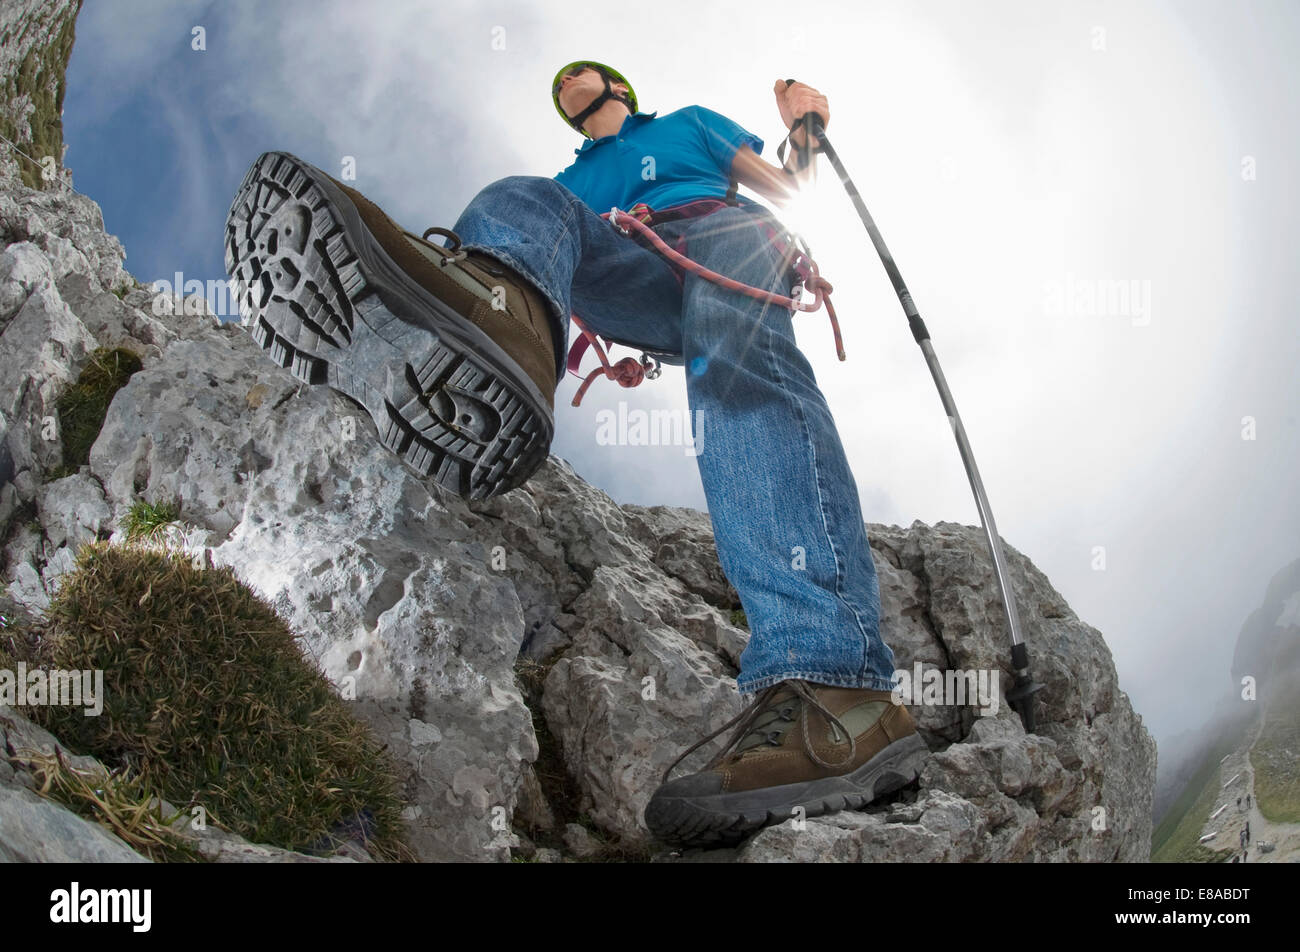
column 608, row 94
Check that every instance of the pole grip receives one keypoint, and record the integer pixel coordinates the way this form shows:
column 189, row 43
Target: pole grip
column 814, row 124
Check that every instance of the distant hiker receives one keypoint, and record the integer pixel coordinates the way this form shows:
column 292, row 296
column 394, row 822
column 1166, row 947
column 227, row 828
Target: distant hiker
column 456, row 349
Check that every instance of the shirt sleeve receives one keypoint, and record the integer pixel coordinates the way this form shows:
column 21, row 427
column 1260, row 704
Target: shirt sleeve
column 722, row 137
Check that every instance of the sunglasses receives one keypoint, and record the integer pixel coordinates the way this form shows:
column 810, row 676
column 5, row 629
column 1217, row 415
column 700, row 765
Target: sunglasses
column 577, row 70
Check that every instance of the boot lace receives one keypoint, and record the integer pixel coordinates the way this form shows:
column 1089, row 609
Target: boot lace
column 757, row 720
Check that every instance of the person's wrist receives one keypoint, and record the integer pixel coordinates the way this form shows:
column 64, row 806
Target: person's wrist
column 797, row 137
column 793, row 160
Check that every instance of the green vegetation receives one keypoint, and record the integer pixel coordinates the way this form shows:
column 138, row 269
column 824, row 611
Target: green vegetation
column 208, row 701
column 119, row 803
column 1276, row 755
column 1175, row 840
column 83, row 406
column 738, row 618
column 146, row 521
column 40, row 76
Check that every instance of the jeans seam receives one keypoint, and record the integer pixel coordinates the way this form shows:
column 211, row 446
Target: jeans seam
column 821, row 509
column 774, row 366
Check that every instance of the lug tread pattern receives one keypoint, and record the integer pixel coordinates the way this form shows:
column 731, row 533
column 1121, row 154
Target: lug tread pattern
column 309, row 303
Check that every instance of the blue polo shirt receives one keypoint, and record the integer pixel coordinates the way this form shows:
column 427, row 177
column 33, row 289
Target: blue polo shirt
column 684, row 156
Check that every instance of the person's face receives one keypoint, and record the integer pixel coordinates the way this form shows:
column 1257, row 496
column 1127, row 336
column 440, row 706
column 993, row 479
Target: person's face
column 580, row 86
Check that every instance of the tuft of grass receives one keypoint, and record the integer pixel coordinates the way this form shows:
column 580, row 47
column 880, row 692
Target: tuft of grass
column 83, row 406
column 738, row 618
column 119, row 803
column 209, row 701
column 146, row 521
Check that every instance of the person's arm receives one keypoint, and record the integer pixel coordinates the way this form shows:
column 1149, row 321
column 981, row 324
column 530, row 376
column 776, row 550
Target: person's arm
column 780, row 185
column 770, row 181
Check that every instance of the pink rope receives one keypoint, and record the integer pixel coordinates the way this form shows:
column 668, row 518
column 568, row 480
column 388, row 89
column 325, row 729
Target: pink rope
column 629, row 372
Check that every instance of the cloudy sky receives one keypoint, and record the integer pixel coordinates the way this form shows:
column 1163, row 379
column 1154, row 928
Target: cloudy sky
column 1020, row 158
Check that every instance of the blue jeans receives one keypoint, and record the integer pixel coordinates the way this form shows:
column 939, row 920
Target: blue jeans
column 783, row 503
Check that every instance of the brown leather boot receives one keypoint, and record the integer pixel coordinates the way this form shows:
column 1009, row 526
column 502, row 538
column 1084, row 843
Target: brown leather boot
column 802, row 749
column 452, row 353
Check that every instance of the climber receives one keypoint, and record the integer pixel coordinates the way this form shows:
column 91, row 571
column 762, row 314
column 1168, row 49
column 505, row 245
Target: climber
column 455, row 350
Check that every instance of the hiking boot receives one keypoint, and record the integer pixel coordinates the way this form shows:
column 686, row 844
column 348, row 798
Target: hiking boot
column 799, row 744
column 451, row 352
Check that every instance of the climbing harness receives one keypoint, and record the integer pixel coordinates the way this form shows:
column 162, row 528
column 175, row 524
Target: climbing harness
column 636, row 222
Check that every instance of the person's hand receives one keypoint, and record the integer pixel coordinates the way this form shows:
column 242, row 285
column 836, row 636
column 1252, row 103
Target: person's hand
column 794, row 101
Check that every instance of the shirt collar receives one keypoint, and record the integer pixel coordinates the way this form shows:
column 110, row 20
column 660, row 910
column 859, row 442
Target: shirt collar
column 592, row 143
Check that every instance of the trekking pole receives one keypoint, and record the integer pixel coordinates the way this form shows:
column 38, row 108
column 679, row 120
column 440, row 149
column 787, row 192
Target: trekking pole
column 1022, row 692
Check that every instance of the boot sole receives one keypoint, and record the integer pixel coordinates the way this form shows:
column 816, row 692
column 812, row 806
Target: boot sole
column 323, row 299
column 726, row 819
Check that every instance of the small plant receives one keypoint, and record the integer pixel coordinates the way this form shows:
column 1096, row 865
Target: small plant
column 146, row 521
column 738, row 618
column 83, row 406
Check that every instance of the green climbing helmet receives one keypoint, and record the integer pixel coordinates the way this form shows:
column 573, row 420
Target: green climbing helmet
column 609, row 75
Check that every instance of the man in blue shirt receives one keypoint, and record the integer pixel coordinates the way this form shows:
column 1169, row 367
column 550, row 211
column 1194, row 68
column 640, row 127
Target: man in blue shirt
column 824, row 727
column 455, row 350
column 661, row 161
column 689, row 154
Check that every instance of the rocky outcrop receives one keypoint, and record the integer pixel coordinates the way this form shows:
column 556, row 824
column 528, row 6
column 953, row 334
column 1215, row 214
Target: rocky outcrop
column 421, row 607
column 1268, row 646
column 35, row 42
